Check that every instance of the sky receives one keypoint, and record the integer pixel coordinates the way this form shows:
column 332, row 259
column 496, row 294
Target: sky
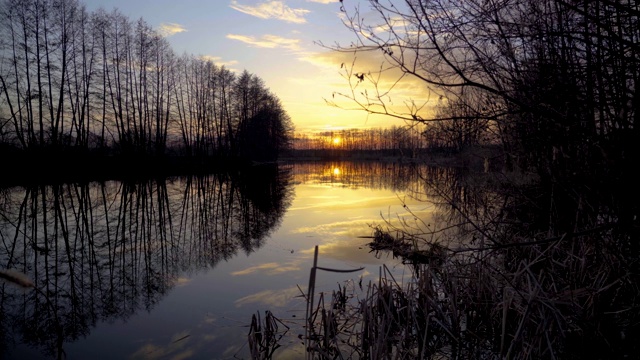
column 279, row 41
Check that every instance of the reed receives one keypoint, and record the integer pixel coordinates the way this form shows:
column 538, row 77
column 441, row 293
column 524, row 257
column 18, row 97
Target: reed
column 563, row 297
column 264, row 335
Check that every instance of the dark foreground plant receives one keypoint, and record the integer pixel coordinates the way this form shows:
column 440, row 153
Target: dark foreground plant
column 264, row 335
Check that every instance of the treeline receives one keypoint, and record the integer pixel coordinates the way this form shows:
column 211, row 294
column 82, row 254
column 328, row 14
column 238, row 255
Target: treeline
column 100, row 82
column 448, row 137
column 392, row 138
column 444, row 135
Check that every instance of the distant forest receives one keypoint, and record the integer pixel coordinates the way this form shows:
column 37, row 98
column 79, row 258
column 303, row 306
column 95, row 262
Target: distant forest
column 74, row 82
column 452, row 136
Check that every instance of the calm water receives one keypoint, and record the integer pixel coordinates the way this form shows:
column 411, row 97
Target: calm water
column 176, row 269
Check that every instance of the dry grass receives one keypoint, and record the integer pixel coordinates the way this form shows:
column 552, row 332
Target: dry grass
column 546, row 300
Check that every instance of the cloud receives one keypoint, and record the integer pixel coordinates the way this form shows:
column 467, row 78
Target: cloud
column 267, row 41
column 399, row 90
column 324, row 1
column 169, row 29
column 218, row 60
column 272, row 10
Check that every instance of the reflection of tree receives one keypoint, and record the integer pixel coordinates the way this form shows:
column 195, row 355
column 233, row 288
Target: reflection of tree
column 66, row 67
column 356, row 174
column 100, row 251
column 519, row 268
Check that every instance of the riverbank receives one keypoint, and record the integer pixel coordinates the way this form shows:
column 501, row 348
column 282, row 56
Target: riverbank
column 48, row 166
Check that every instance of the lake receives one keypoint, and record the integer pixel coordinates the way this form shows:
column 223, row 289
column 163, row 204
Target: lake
column 176, row 268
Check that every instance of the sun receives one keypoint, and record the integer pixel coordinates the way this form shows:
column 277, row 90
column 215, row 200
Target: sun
column 336, row 141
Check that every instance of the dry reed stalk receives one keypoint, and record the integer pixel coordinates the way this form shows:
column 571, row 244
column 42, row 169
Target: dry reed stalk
column 328, row 324
column 264, row 337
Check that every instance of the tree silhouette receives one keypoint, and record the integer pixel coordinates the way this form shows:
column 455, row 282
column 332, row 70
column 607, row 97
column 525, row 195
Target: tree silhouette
column 78, row 83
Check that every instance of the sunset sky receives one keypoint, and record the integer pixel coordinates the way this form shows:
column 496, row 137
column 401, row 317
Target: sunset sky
column 277, row 41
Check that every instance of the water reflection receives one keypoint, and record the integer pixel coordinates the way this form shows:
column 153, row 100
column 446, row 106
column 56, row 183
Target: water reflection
column 502, row 245
column 364, row 174
column 102, row 251
column 466, row 205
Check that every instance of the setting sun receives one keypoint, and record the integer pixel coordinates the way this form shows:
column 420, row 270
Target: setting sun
column 336, row 141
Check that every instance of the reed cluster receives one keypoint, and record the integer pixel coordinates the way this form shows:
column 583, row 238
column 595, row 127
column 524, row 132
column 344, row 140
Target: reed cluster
column 567, row 297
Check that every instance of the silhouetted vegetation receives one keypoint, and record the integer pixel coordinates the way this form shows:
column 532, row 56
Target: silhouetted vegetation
column 553, row 82
column 78, row 86
column 540, row 261
column 413, row 143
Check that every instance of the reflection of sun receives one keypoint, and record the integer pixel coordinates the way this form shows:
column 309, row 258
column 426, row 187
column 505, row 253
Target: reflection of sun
column 336, row 171
column 336, row 141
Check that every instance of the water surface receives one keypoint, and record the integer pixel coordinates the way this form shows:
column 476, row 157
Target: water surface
column 176, row 268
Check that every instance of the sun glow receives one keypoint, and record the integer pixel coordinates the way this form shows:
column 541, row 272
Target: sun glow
column 336, row 141
column 336, row 171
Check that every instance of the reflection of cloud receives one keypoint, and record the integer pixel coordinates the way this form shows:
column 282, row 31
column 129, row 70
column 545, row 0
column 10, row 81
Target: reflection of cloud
column 344, row 203
column 353, row 252
column 209, row 319
column 176, row 349
column 275, row 268
column 209, row 337
column 291, row 352
column 170, row 29
column 231, row 351
column 338, row 228
column 181, row 281
column 362, row 226
column 275, row 298
column 272, row 10
column 267, row 41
